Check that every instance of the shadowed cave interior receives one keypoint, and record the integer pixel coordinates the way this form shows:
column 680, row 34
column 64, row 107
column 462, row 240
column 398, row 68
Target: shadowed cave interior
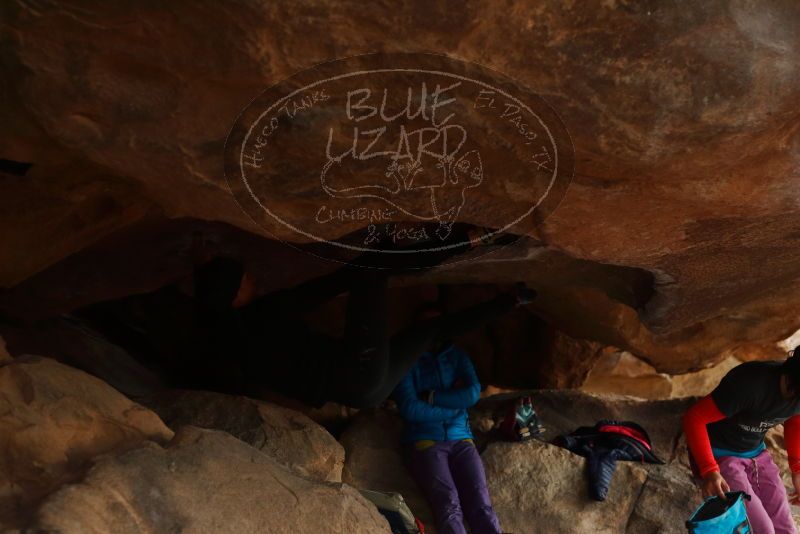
column 641, row 160
column 520, row 350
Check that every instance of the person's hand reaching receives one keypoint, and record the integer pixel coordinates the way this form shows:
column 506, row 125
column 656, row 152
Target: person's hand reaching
column 714, row 485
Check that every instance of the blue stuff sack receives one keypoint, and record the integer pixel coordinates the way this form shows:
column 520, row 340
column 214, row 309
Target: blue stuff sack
column 717, row 516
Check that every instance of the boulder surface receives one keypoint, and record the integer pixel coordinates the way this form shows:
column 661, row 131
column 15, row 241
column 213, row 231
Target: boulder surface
column 289, row 437
column 538, row 487
column 204, row 481
column 53, row 420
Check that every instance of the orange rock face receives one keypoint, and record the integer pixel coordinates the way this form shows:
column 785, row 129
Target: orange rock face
column 55, row 420
column 683, row 119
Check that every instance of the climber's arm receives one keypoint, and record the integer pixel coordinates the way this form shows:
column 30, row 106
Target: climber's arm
column 413, row 409
column 695, row 420
column 695, row 427
column 791, row 437
column 467, row 393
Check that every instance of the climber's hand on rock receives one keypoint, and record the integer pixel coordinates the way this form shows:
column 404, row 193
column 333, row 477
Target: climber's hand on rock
column 714, row 485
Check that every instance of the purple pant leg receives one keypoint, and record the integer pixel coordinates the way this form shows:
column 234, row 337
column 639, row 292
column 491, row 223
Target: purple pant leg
column 768, row 509
column 467, row 470
column 734, row 471
column 770, row 489
column 431, row 470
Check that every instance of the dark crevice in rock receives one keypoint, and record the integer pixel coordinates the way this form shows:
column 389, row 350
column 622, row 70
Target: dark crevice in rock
column 676, row 443
column 636, row 501
column 583, row 299
column 17, row 168
column 523, row 349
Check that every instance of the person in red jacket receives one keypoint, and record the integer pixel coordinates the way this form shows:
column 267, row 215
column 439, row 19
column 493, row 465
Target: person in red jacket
column 725, row 434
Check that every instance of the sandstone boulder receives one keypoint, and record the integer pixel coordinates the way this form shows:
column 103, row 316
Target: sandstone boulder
column 620, row 372
column 667, row 499
column 375, row 460
column 53, row 419
column 289, row 437
column 701, row 383
column 537, row 487
column 562, row 412
column 203, row 481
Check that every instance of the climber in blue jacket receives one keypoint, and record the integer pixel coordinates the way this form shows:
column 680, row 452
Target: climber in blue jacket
column 433, row 399
column 438, row 412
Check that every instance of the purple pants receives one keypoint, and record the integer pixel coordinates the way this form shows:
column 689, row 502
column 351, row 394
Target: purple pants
column 768, row 508
column 451, row 475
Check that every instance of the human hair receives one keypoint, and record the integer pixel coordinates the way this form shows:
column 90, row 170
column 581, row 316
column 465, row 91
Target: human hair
column 791, row 368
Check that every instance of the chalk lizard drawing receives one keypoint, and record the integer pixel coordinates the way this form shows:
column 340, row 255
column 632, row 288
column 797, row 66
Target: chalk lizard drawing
column 436, row 191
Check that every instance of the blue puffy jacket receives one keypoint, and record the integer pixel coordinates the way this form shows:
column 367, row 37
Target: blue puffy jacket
column 451, row 375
